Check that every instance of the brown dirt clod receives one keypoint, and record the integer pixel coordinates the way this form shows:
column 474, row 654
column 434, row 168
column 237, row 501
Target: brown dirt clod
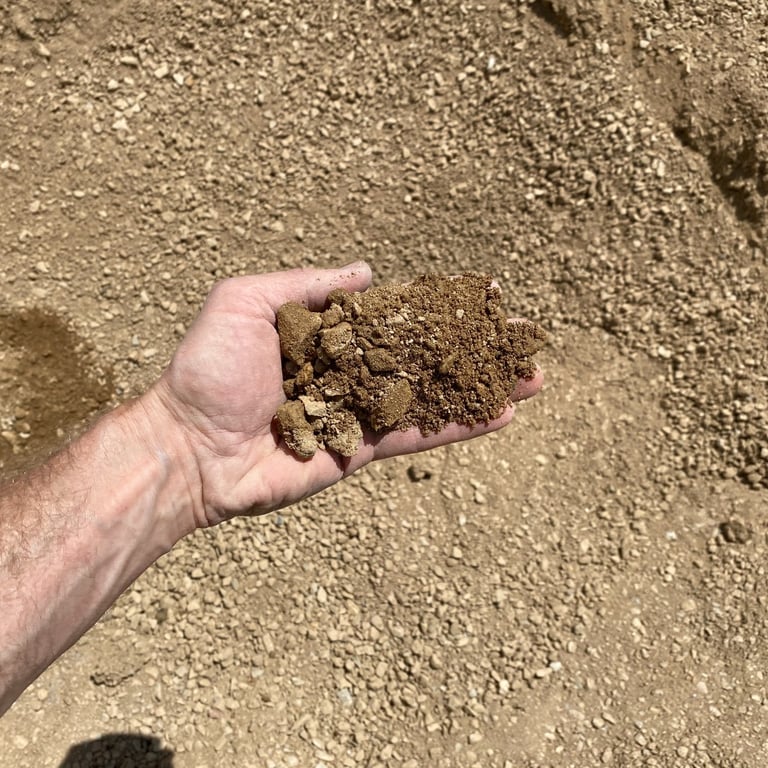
column 297, row 327
column 297, row 431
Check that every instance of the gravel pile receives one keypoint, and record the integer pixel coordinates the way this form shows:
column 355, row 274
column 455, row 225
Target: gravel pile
column 585, row 588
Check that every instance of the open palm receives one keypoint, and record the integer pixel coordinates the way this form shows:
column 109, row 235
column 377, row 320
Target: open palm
column 224, row 386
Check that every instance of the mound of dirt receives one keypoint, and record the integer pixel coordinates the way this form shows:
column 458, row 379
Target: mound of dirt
column 424, row 354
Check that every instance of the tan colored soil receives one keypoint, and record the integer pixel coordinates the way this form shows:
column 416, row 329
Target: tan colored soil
column 432, row 352
column 587, row 587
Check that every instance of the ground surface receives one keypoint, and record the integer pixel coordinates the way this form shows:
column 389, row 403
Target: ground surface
column 587, row 587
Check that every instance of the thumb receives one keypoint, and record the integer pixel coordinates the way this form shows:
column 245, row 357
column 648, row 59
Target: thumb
column 311, row 286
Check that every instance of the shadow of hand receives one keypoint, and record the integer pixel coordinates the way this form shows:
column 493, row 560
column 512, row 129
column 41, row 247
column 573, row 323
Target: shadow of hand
column 116, row 750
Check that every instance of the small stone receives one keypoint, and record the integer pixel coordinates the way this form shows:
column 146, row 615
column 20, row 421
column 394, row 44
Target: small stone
column 22, row 26
column 345, row 697
column 162, row 71
column 313, row 408
column 416, row 473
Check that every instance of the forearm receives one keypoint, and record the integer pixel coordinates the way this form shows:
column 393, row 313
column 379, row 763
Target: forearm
column 78, row 530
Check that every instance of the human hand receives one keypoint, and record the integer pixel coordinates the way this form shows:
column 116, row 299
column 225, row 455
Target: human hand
column 224, row 385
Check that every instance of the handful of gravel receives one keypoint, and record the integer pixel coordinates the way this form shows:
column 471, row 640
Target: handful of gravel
column 424, row 354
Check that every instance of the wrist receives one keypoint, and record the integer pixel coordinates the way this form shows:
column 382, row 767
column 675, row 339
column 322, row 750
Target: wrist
column 154, row 427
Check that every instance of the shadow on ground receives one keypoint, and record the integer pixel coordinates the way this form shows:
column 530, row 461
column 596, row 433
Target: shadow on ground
column 49, row 384
column 118, row 750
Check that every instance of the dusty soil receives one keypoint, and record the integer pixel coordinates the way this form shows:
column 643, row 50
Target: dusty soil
column 587, row 587
column 432, row 352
